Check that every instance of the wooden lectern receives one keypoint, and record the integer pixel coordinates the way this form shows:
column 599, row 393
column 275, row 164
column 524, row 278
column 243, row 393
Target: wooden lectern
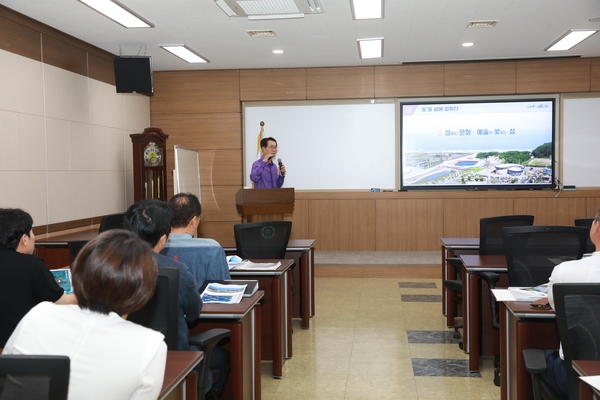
column 264, row 204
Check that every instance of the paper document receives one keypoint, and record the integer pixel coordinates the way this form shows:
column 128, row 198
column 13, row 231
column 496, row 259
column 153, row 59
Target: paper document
column 63, row 278
column 529, row 293
column 249, row 265
column 219, row 293
column 593, row 381
column 503, row 295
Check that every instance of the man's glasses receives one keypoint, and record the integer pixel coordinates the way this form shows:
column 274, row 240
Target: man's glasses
column 272, row 147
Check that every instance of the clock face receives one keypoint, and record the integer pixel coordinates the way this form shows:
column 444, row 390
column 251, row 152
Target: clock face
column 152, row 155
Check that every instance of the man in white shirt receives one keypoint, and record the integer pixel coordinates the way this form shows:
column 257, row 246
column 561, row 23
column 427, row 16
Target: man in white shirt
column 578, row 271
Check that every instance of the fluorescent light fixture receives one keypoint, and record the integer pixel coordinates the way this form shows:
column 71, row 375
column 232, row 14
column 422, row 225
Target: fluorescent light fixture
column 118, row 13
column 367, row 9
column 570, row 39
column 185, row 53
column 467, row 44
column 277, row 51
column 370, row 48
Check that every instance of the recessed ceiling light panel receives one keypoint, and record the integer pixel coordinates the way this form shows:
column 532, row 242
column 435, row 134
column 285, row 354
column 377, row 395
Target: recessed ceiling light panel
column 262, row 33
column 570, row 39
column 367, row 9
column 185, row 53
column 370, row 48
column 118, row 13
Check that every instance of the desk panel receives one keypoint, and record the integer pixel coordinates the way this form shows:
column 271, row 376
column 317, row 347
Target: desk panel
column 244, row 321
column 302, row 276
column 276, row 325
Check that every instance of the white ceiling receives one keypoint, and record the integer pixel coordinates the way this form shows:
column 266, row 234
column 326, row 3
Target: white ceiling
column 414, row 31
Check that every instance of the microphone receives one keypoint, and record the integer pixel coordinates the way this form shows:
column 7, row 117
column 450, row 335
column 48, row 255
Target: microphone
column 280, row 164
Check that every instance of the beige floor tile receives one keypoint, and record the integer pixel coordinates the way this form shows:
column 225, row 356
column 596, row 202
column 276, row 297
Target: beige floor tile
column 398, row 366
column 434, row 388
column 384, row 386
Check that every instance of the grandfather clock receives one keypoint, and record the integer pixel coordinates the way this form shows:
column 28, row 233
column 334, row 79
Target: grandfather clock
column 149, row 164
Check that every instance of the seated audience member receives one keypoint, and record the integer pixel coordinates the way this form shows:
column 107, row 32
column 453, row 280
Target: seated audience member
column 111, row 358
column 205, row 257
column 584, row 270
column 24, row 278
column 151, row 220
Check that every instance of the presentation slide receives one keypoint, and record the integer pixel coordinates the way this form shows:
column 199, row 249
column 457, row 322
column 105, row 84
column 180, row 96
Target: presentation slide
column 483, row 143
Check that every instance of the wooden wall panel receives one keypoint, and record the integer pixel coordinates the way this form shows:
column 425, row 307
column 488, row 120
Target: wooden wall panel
column 595, row 75
column 64, row 55
column 408, row 225
column 552, row 211
column 196, row 92
column 592, row 207
column 343, row 224
column 218, row 203
column 461, row 216
column 409, row 80
column 553, row 76
column 480, row 78
column 300, row 218
column 340, row 83
column 273, row 84
column 201, row 131
column 221, row 167
column 20, row 39
column 101, row 68
column 218, row 230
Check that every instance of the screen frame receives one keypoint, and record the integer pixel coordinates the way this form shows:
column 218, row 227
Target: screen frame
column 553, row 98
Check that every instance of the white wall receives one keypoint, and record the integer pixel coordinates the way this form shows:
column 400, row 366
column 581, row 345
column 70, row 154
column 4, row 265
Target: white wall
column 65, row 150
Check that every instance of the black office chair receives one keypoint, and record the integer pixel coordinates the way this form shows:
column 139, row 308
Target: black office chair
column 266, row 240
column 491, row 242
column 532, row 252
column 160, row 313
column 587, row 223
column 577, row 308
column 34, row 377
column 111, row 221
column 75, row 247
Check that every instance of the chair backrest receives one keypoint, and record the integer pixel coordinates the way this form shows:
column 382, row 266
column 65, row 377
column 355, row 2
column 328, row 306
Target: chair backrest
column 111, row 221
column 532, row 252
column 267, row 240
column 491, row 239
column 160, row 312
column 587, row 223
column 35, row 377
column 75, row 247
column 577, row 307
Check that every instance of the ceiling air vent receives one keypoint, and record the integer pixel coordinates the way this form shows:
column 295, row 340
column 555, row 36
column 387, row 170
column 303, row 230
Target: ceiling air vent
column 482, row 24
column 262, row 33
column 270, row 9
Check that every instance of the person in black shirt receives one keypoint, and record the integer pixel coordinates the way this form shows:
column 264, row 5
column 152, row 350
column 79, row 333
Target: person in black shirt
column 25, row 280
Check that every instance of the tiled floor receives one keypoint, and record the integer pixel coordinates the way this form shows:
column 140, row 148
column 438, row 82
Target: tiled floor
column 378, row 338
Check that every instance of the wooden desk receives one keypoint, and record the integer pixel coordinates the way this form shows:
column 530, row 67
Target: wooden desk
column 472, row 264
column 276, row 326
column 303, row 295
column 587, row 368
column 243, row 320
column 449, row 248
column 180, row 375
column 54, row 251
column 522, row 327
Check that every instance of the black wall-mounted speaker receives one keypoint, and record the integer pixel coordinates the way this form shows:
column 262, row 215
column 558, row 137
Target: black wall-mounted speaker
column 133, row 74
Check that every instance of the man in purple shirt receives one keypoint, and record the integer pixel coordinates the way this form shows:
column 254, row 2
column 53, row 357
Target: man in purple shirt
column 266, row 174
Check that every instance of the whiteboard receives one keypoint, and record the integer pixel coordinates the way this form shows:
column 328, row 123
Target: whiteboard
column 187, row 171
column 327, row 145
column 581, row 141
